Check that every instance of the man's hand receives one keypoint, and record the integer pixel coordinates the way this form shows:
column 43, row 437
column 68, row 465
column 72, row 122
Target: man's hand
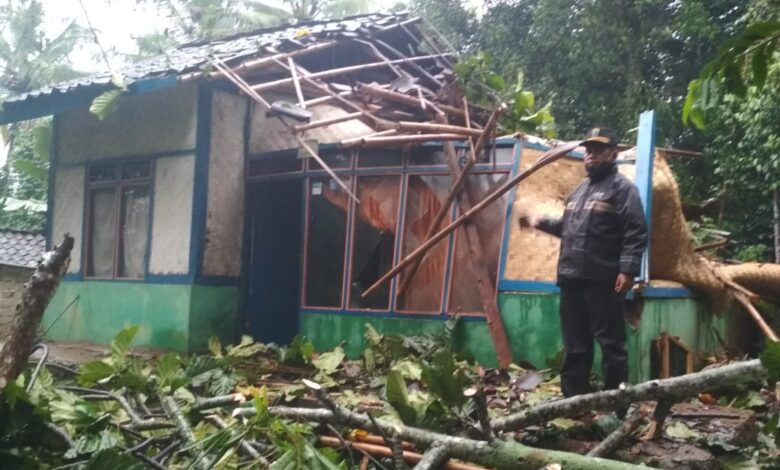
column 528, row 221
column 624, row 283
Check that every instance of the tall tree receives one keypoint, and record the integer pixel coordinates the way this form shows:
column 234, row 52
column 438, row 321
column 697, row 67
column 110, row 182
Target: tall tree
column 29, row 60
column 206, row 19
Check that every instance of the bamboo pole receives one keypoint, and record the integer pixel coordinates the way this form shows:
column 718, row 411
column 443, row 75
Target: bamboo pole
column 327, row 122
column 485, row 287
column 377, row 92
column 296, row 82
column 341, row 70
column 357, row 140
column 403, row 139
column 430, row 127
column 765, row 328
column 549, row 157
column 400, row 55
column 254, row 64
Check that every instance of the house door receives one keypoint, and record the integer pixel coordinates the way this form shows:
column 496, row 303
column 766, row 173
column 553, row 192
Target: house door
column 275, row 260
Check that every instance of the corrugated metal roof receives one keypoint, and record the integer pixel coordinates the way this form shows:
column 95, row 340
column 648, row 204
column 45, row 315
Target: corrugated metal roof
column 190, row 57
column 22, row 249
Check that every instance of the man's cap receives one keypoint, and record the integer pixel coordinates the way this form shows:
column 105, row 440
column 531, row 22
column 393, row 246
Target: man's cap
column 601, row 135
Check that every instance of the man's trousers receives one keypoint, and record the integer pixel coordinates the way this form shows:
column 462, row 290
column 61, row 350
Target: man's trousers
column 592, row 310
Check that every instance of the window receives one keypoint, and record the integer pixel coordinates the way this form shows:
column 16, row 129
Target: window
column 489, row 223
column 425, row 196
column 326, row 240
column 374, row 234
column 119, row 197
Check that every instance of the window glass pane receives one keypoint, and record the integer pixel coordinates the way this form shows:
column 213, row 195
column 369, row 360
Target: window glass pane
column 505, row 155
column 379, row 158
column 464, row 293
column 425, row 196
column 376, row 220
column 326, row 239
column 134, row 229
column 427, row 156
column 102, row 218
column 333, row 160
column 102, row 173
column 136, row 170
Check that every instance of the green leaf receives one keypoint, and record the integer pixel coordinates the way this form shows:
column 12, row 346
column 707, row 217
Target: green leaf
column 215, row 347
column 697, row 117
column 693, row 87
column 42, row 135
column 169, row 371
column 408, row 369
column 758, row 63
column 495, row 81
column 373, row 338
column 679, row 430
column 121, row 343
column 328, row 362
column 445, row 379
column 398, row 397
column 524, row 102
column 32, row 169
column 763, row 29
column 92, row 372
column 733, row 80
column 105, row 103
column 770, row 359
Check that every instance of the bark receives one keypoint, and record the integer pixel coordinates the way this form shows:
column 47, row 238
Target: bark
column 29, row 311
column 776, row 222
column 499, row 454
column 674, row 388
column 184, row 430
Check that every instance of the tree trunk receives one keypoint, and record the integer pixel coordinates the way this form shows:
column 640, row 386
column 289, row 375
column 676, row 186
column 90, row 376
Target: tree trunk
column 29, row 311
column 776, row 222
column 674, row 388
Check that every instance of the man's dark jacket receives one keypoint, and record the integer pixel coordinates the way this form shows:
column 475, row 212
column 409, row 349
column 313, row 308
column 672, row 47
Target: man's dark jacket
column 603, row 230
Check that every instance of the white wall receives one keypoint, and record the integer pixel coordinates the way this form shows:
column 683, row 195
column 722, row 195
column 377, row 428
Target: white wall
column 68, row 216
column 172, row 215
column 225, row 207
column 160, row 121
column 269, row 134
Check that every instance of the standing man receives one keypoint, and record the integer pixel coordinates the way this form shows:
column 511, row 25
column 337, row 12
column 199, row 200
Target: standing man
column 603, row 236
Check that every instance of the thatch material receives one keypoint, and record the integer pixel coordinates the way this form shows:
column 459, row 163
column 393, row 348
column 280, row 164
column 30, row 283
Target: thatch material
column 533, row 255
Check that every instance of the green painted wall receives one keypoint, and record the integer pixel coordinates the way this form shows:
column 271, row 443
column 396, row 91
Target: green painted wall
column 531, row 320
column 176, row 316
column 213, row 311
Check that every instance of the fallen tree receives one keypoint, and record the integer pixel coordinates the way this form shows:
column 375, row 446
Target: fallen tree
column 29, row 312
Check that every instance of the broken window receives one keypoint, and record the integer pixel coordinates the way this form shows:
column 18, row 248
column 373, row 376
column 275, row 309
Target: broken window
column 325, row 243
column 374, row 235
column 118, row 219
column 489, row 225
column 425, row 196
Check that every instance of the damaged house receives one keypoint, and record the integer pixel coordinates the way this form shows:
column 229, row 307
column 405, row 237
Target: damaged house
column 262, row 184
